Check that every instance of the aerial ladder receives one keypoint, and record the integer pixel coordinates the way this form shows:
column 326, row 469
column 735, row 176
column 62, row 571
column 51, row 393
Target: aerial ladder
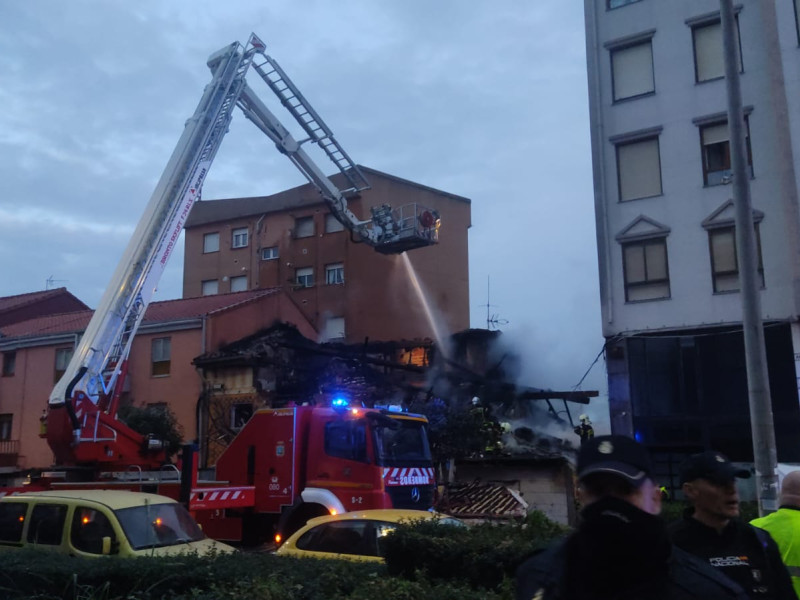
column 81, row 424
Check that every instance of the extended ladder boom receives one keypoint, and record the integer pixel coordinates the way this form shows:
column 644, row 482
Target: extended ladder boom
column 107, row 339
column 88, row 386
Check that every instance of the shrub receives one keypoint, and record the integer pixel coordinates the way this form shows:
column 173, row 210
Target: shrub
column 484, row 555
column 27, row 574
column 157, row 420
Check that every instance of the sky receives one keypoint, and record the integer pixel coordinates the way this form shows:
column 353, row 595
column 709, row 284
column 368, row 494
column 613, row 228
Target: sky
column 486, row 100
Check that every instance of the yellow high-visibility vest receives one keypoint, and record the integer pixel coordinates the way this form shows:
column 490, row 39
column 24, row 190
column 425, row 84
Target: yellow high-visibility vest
column 784, row 527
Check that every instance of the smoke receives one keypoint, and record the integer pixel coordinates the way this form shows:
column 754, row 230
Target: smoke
column 556, row 366
column 531, row 425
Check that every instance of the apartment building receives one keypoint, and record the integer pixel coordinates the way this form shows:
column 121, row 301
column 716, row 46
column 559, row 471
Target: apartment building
column 669, row 277
column 35, row 353
column 345, row 289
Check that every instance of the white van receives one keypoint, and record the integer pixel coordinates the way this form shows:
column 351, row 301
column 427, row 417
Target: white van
column 101, row 522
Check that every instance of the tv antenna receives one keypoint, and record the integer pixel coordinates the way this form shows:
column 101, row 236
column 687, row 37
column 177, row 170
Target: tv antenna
column 493, row 321
column 49, row 282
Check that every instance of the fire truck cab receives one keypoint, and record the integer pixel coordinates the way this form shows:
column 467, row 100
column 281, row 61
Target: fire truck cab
column 308, row 461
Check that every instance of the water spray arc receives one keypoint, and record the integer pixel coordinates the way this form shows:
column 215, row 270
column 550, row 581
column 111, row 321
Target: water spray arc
column 435, row 323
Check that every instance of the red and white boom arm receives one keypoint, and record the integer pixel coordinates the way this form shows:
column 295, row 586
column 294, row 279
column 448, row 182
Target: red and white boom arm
column 82, row 425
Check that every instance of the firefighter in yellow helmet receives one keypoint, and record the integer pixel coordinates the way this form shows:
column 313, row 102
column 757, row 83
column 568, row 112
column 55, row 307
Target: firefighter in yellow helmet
column 585, row 430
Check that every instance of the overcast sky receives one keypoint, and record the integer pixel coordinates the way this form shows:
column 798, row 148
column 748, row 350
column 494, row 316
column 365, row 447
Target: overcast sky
column 486, row 100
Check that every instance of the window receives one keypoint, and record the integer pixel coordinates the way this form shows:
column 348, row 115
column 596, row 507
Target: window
column 12, row 520
column 304, row 277
column 618, row 3
column 632, row 70
column 346, row 439
column 161, row 353
column 239, row 238
column 9, row 363
column 342, row 537
column 724, row 262
column 6, row 421
column 797, row 19
column 47, row 524
column 709, row 62
column 714, row 138
column 240, row 414
column 332, row 224
column 89, row 527
column 63, row 356
column 210, row 287
column 334, row 274
column 646, row 272
column 239, row 284
column 304, row 227
column 269, row 253
column 211, row 242
column 639, row 169
column 334, row 329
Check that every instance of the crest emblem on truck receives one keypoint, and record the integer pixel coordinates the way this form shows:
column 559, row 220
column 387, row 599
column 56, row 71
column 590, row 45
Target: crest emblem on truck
column 415, row 494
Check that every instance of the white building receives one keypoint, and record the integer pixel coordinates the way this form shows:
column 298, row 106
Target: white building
column 669, row 280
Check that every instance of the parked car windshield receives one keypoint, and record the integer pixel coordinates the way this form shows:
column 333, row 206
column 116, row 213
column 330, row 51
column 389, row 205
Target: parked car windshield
column 157, row 525
column 401, row 442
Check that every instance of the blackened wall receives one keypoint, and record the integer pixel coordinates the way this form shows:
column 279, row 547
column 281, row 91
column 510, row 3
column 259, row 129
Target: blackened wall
column 690, row 392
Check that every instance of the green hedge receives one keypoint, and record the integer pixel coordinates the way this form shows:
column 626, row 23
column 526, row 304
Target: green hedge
column 33, row 574
column 424, row 560
column 485, row 556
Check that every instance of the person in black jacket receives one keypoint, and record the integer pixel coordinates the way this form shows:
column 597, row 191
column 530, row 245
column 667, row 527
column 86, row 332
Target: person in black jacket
column 620, row 549
column 712, row 531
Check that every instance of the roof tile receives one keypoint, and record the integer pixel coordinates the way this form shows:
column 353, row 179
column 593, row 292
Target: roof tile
column 12, row 302
column 157, row 312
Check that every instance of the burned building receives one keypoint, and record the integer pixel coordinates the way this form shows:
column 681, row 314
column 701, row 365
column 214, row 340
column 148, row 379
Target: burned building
column 279, row 367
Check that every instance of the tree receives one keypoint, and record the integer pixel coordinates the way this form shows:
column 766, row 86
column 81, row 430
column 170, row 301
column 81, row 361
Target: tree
column 155, row 420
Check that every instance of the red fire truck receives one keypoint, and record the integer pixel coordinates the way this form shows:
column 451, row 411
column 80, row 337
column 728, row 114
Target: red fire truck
column 302, row 462
column 285, row 464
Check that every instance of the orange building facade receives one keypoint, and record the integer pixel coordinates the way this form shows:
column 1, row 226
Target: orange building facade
column 160, row 369
column 345, row 289
column 249, row 263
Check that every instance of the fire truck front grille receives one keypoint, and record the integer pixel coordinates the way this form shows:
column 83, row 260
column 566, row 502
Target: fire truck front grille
column 415, row 497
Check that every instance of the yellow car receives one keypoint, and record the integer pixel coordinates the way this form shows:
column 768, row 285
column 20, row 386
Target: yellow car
column 353, row 536
column 101, row 522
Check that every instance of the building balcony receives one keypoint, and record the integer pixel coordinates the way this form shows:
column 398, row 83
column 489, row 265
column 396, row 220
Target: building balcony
column 9, row 453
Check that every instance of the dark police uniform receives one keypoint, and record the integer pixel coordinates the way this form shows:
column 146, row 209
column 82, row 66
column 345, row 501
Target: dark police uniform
column 746, row 555
column 622, row 553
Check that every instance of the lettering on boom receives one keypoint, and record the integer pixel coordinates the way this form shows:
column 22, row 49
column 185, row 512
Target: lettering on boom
column 188, row 203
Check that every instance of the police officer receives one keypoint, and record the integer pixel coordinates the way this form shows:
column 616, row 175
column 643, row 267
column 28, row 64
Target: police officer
column 712, row 531
column 784, row 526
column 620, row 549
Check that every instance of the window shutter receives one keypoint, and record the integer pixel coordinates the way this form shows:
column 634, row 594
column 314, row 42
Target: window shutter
column 723, row 247
column 634, row 264
column 714, row 134
column 639, row 170
column 633, row 71
column 708, row 52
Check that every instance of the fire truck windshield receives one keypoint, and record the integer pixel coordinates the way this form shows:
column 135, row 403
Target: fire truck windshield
column 401, row 442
